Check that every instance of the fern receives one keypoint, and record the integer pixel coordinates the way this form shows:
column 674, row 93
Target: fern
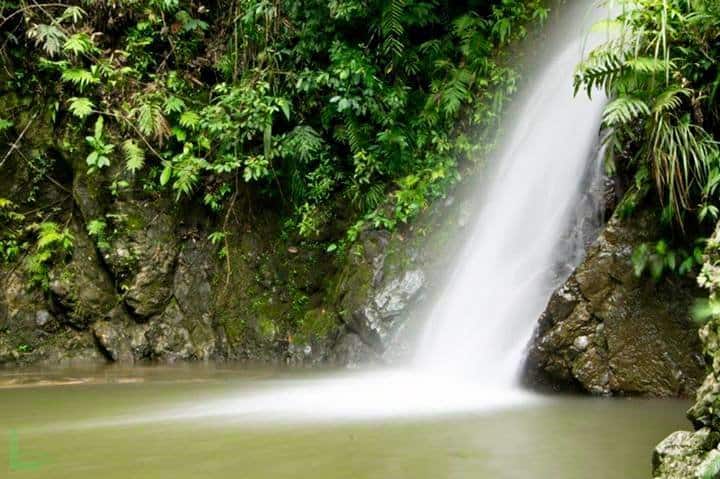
column 151, row 121
column 73, row 13
column 305, row 142
column 173, row 105
column 49, row 37
column 79, row 44
column 599, row 71
column 81, row 107
column 79, row 77
column 455, row 91
column 190, row 119
column 624, row 110
column 648, row 65
column 670, row 99
column 392, row 27
column 52, row 244
column 134, row 156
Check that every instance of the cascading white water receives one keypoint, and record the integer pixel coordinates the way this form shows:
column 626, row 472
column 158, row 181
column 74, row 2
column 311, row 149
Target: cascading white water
column 477, row 330
column 479, row 326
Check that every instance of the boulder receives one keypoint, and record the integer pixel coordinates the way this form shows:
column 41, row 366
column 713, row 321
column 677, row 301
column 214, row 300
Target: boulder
column 607, row 331
column 352, row 352
column 687, row 455
column 373, row 295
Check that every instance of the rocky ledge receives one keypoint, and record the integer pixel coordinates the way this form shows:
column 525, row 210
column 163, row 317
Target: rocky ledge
column 607, row 331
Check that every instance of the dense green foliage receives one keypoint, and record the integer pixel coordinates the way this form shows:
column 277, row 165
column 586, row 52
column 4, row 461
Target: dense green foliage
column 661, row 73
column 318, row 104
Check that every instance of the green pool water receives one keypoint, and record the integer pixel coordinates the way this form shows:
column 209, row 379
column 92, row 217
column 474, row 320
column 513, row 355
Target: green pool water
column 79, row 423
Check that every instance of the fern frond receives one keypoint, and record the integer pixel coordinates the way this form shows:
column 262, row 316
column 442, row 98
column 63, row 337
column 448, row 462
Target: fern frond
column 455, row 91
column 73, row 13
column 49, row 37
column 190, row 120
column 649, row 64
column 151, row 121
column 305, row 142
column 670, row 99
column 79, row 77
column 134, row 156
column 81, row 107
column 173, row 105
column 624, row 110
column 79, row 44
column 599, row 71
column 392, row 27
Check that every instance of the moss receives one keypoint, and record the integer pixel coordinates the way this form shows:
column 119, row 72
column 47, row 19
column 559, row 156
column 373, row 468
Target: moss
column 134, row 222
column 317, row 324
column 267, row 329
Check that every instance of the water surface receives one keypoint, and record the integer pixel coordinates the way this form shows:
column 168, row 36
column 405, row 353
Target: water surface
column 105, row 422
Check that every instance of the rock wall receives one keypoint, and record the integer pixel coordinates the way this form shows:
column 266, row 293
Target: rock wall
column 154, row 287
column 696, row 455
column 606, row 331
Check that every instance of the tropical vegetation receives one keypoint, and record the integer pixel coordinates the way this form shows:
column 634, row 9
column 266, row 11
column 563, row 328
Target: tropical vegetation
column 660, row 71
column 362, row 109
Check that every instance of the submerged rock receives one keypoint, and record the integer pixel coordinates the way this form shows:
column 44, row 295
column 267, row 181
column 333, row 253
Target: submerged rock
column 607, row 331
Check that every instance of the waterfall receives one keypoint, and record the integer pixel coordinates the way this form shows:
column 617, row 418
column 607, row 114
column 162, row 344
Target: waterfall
column 480, row 324
column 531, row 198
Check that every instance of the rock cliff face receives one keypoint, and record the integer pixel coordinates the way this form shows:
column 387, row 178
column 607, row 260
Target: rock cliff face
column 696, row 455
column 153, row 286
column 607, row 331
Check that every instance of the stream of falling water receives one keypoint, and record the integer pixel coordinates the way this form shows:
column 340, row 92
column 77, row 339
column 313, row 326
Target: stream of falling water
column 480, row 325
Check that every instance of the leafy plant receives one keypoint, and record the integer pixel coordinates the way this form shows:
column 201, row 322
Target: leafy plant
column 663, row 84
column 659, row 259
column 134, row 156
column 10, row 231
column 97, row 229
column 52, row 244
column 80, row 107
column 319, row 106
column 99, row 157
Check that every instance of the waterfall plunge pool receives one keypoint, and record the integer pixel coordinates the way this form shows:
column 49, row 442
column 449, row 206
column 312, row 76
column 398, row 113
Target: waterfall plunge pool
column 147, row 422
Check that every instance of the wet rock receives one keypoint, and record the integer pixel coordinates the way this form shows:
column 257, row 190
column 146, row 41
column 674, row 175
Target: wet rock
column 7, row 352
column 20, row 307
column 608, row 332
column 80, row 287
column 114, row 340
column 375, row 322
column 65, row 348
column 395, row 296
column 144, row 255
column 361, row 275
column 581, row 343
column 685, row 454
column 174, row 336
column 352, row 351
column 191, row 282
column 42, row 318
